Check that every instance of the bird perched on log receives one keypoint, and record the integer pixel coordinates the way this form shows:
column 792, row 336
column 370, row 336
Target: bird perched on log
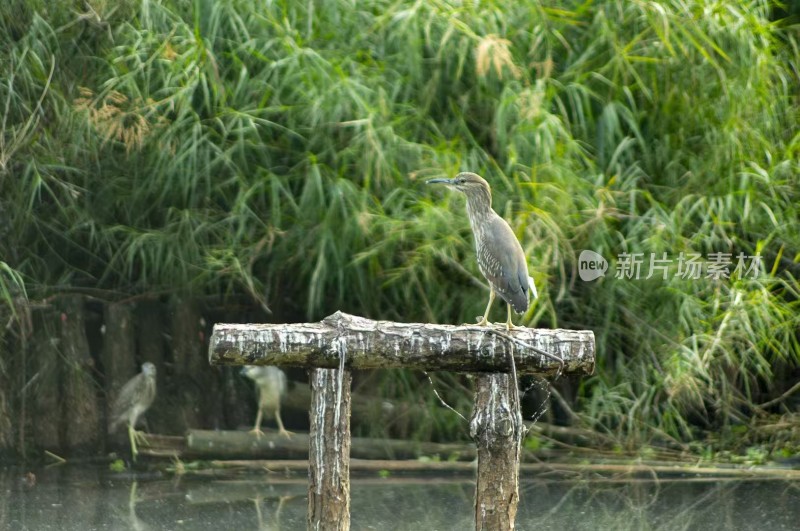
column 500, row 256
column 133, row 400
column 271, row 382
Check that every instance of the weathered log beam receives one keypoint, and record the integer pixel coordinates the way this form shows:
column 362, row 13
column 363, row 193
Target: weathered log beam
column 369, row 344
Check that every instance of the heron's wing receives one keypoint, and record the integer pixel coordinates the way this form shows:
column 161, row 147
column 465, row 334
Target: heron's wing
column 503, row 264
column 138, row 391
column 126, row 396
column 124, row 402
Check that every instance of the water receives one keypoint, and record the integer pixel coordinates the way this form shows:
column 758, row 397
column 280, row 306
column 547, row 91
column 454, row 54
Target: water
column 66, row 498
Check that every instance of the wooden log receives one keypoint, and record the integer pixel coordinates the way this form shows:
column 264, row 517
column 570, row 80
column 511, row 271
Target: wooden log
column 329, row 450
column 79, row 402
column 244, row 490
column 367, row 410
column 187, row 372
column 576, row 471
column 497, row 428
column 156, row 445
column 384, row 344
column 409, row 467
column 153, row 329
column 213, row 444
column 6, row 427
column 243, row 445
column 198, row 383
column 45, row 388
column 119, row 348
column 152, row 324
column 347, row 341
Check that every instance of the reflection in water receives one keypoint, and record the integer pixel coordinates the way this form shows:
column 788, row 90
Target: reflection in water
column 686, row 503
column 67, row 498
column 129, row 517
column 271, row 521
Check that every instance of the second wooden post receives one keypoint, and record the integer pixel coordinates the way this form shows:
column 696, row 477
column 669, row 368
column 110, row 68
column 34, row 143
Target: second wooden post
column 497, row 428
column 329, row 450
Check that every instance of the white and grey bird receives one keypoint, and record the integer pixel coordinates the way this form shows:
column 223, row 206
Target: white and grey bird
column 271, row 383
column 135, row 397
column 500, row 256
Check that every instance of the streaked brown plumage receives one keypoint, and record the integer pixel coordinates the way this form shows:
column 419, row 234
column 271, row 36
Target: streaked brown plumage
column 133, row 399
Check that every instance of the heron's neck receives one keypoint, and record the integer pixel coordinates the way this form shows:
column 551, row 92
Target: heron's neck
column 479, row 209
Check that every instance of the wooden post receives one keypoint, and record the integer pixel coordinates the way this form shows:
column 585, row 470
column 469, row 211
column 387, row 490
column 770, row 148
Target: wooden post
column 47, row 389
column 329, row 451
column 119, row 347
column 79, row 401
column 153, row 327
column 194, row 384
column 497, row 428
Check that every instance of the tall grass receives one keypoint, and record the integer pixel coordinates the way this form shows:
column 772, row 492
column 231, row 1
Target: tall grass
column 279, row 149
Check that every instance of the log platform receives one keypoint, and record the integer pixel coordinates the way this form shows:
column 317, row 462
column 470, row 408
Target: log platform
column 342, row 342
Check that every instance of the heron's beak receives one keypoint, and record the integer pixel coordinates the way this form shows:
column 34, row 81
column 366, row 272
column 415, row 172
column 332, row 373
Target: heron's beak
column 443, row 181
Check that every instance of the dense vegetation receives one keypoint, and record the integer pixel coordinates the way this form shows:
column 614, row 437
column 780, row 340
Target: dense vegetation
column 278, row 150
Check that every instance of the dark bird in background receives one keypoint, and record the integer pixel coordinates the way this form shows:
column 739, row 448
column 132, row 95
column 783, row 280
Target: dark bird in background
column 133, row 400
column 500, row 255
column 271, row 382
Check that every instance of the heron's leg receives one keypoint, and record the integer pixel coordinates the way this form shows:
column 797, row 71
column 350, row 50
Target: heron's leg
column 132, row 498
column 509, row 324
column 132, row 439
column 257, row 501
column 485, row 319
column 257, row 428
column 281, row 429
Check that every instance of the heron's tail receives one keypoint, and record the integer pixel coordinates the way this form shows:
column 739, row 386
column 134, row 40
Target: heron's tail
column 531, row 285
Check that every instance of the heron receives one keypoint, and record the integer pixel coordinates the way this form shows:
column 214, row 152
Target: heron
column 501, row 259
column 133, row 400
column 271, row 382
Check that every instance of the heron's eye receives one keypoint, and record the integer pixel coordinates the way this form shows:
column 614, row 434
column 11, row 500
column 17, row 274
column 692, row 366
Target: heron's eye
column 460, row 180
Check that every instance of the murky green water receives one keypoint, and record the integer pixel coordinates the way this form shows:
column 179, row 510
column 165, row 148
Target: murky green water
column 69, row 499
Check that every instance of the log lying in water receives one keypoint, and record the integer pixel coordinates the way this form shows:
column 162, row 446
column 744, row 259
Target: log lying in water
column 209, row 444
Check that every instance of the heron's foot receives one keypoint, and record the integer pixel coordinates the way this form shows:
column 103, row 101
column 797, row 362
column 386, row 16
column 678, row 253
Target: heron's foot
column 140, row 437
column 284, row 433
column 483, row 322
column 510, row 326
column 257, row 432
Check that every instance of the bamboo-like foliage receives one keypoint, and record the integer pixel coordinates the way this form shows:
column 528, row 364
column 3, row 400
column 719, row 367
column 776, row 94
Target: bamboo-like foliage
column 278, row 150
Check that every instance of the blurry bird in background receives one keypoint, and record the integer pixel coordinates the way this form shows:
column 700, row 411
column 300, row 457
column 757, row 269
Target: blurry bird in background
column 133, row 400
column 500, row 255
column 271, row 382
